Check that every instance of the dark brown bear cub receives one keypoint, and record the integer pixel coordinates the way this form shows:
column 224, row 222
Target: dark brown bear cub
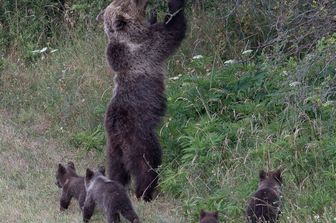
column 264, row 206
column 208, row 217
column 109, row 195
column 137, row 52
column 72, row 185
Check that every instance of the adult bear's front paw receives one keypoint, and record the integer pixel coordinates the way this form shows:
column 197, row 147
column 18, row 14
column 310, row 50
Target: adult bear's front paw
column 175, row 5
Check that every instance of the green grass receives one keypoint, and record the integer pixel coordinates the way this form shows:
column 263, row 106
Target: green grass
column 226, row 124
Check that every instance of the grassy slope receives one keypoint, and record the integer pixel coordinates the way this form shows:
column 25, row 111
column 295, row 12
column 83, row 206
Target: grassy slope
column 240, row 119
column 224, row 123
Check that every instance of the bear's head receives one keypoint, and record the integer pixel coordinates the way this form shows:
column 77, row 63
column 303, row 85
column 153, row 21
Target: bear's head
column 271, row 179
column 91, row 176
column 124, row 20
column 65, row 173
column 208, row 217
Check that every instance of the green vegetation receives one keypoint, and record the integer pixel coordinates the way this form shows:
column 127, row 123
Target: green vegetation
column 226, row 124
column 229, row 113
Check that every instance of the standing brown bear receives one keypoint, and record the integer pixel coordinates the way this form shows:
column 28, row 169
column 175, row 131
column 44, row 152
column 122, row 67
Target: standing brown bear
column 136, row 52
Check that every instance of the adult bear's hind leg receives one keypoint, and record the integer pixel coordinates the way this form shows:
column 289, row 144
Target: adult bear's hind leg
column 143, row 159
column 146, row 184
column 116, row 168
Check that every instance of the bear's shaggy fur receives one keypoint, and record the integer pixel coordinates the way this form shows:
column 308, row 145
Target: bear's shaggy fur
column 72, row 185
column 137, row 52
column 208, row 217
column 265, row 204
column 110, row 195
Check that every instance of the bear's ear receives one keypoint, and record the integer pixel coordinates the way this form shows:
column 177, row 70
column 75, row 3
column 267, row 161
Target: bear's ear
column 100, row 16
column 202, row 214
column 277, row 175
column 61, row 169
column 71, row 165
column 140, row 4
column 89, row 174
column 101, row 169
column 262, row 175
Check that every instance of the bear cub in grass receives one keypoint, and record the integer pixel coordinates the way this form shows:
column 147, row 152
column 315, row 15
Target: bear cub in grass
column 109, row 195
column 209, row 217
column 72, row 185
column 137, row 51
column 265, row 204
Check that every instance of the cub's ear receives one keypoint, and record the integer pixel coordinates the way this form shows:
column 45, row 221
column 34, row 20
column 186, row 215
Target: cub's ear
column 101, row 169
column 202, row 214
column 277, row 175
column 89, row 174
column 262, row 175
column 61, row 169
column 71, row 165
column 140, row 4
column 100, row 16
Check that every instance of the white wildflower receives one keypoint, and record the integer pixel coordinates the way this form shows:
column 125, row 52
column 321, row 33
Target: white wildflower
column 230, row 62
column 197, row 57
column 247, row 52
column 176, row 77
column 294, row 84
column 316, row 217
column 43, row 50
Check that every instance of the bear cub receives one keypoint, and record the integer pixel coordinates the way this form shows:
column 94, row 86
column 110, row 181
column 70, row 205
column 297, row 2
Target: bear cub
column 264, row 206
column 72, row 185
column 209, row 217
column 109, row 195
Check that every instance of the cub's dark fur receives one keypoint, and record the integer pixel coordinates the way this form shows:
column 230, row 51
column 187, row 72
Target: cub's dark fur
column 264, row 206
column 137, row 52
column 209, row 217
column 109, row 195
column 72, row 185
